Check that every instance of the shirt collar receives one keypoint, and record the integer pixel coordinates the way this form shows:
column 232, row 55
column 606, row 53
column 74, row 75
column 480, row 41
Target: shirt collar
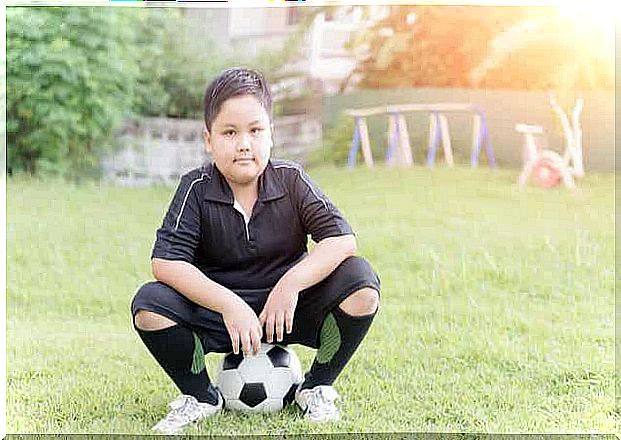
column 218, row 189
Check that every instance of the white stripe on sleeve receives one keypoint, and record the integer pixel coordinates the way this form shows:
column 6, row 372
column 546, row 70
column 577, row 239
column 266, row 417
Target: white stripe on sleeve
column 310, row 186
column 185, row 199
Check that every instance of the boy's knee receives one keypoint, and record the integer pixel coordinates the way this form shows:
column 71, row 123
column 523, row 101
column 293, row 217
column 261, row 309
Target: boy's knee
column 149, row 321
column 360, row 303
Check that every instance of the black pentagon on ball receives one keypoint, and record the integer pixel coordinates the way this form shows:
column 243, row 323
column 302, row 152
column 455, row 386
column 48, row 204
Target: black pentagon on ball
column 290, row 396
column 279, row 356
column 252, row 394
column 232, row 361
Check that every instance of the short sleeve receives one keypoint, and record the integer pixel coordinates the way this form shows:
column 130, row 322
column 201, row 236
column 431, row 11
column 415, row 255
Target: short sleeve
column 320, row 218
column 179, row 236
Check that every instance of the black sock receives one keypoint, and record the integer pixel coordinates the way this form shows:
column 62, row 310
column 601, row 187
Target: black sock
column 340, row 335
column 180, row 353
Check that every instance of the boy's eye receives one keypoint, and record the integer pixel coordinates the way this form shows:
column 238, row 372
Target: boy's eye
column 256, row 130
column 229, row 133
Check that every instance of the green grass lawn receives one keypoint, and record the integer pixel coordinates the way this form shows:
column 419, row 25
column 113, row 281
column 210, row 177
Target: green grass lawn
column 497, row 310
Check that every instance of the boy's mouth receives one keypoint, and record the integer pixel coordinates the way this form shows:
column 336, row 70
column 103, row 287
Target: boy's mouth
column 243, row 159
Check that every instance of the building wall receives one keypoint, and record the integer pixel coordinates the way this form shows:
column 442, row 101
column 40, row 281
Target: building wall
column 503, row 109
column 209, row 23
column 254, row 30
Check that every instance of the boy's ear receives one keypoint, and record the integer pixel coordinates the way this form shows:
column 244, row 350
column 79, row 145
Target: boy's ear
column 207, row 139
column 272, row 133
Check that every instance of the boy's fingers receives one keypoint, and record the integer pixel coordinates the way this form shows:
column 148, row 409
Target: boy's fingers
column 235, row 341
column 246, row 344
column 289, row 321
column 280, row 326
column 256, row 342
column 269, row 329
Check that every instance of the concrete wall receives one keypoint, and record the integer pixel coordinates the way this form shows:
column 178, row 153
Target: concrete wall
column 159, row 150
column 503, row 108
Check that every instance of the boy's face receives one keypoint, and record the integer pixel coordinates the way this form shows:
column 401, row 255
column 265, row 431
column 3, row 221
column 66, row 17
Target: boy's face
column 240, row 140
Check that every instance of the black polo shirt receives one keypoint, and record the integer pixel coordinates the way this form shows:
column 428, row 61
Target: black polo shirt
column 202, row 226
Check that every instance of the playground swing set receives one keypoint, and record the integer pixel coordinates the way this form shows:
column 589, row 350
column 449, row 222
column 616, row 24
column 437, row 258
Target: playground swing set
column 399, row 150
column 545, row 167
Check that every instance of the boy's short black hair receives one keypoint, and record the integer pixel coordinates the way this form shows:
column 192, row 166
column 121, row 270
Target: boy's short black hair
column 236, row 81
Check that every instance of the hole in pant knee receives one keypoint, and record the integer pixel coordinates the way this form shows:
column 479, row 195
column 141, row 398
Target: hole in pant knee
column 146, row 320
column 362, row 303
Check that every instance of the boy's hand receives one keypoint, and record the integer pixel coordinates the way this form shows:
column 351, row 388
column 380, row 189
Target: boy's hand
column 243, row 326
column 278, row 312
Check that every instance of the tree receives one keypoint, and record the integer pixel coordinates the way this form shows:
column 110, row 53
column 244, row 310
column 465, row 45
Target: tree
column 74, row 73
column 553, row 48
column 70, row 80
column 482, row 46
column 182, row 64
column 433, row 46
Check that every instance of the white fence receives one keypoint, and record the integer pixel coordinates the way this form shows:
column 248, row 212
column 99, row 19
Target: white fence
column 160, row 150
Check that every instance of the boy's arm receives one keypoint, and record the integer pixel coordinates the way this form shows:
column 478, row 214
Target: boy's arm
column 194, row 285
column 241, row 322
column 315, row 267
column 319, row 263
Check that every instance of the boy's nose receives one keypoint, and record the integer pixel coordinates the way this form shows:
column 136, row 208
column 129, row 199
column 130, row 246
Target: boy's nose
column 244, row 143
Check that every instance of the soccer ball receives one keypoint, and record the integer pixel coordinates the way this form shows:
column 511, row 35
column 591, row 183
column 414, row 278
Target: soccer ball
column 264, row 382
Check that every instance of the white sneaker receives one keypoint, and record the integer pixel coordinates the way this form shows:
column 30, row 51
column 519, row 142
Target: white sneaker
column 318, row 403
column 185, row 410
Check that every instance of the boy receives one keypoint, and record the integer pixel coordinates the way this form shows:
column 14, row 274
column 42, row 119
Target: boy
column 231, row 260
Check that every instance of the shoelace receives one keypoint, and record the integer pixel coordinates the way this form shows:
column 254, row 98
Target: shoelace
column 320, row 402
column 181, row 407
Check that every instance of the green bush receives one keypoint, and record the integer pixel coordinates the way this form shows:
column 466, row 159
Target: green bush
column 74, row 73
column 179, row 65
column 336, row 143
column 70, row 80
